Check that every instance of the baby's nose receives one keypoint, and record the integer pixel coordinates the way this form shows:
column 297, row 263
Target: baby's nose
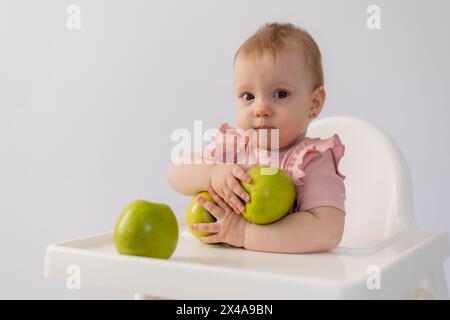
column 262, row 110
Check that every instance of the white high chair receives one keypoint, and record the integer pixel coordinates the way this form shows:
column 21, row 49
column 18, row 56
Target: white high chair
column 382, row 254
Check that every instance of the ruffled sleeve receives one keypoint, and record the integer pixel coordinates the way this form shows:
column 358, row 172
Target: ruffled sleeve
column 314, row 168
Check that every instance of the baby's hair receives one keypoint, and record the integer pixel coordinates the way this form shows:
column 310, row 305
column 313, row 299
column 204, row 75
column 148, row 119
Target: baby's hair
column 273, row 37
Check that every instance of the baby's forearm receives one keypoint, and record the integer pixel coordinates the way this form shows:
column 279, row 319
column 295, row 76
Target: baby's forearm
column 300, row 232
column 189, row 179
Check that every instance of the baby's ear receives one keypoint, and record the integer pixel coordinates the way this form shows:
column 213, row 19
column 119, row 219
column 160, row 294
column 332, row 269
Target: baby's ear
column 320, row 93
column 318, row 99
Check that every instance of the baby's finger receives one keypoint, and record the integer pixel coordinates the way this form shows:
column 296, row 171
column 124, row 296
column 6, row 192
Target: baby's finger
column 216, row 211
column 207, row 227
column 218, row 199
column 237, row 189
column 240, row 173
column 235, row 202
column 228, row 199
column 211, row 239
column 224, row 196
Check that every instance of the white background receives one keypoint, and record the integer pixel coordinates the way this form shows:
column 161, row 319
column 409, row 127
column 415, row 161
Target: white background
column 86, row 116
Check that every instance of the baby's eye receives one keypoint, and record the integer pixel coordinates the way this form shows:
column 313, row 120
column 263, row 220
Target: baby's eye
column 281, row 94
column 247, row 96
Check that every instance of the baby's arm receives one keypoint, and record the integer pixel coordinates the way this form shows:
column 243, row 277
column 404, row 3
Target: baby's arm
column 189, row 179
column 319, row 229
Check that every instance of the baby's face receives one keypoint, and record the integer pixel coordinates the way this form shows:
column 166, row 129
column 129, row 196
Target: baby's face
column 275, row 94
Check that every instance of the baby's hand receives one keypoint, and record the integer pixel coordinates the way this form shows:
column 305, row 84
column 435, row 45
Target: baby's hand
column 229, row 228
column 225, row 182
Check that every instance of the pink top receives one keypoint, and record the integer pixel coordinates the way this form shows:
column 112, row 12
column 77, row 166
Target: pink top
column 312, row 164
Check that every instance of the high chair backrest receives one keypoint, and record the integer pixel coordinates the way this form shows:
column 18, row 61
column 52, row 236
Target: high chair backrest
column 379, row 197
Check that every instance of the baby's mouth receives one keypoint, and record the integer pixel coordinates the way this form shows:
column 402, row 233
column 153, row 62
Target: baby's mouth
column 264, row 127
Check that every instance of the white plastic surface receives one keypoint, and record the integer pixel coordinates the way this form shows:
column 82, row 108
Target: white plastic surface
column 378, row 185
column 200, row 271
column 381, row 244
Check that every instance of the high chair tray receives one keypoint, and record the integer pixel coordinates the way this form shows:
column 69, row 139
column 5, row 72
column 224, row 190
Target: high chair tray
column 213, row 271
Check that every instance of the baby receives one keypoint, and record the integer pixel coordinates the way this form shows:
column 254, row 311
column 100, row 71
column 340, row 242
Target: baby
column 278, row 81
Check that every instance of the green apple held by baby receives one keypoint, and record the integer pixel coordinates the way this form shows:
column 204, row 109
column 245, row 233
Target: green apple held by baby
column 146, row 229
column 196, row 213
column 272, row 194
